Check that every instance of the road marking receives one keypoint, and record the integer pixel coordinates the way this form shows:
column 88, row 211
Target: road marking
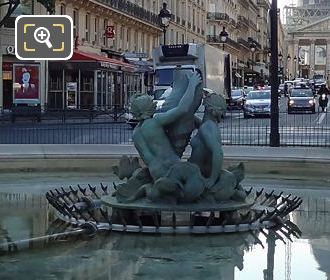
column 321, row 118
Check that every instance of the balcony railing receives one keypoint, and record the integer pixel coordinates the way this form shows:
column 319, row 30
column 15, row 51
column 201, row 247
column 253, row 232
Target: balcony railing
column 133, row 10
column 218, row 16
column 216, row 40
column 232, row 22
column 251, row 40
column 243, row 42
column 243, row 20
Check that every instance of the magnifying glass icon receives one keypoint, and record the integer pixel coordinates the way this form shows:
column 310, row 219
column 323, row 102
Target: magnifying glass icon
column 41, row 35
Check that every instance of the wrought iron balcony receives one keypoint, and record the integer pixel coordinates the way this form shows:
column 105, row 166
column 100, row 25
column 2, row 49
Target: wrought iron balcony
column 215, row 39
column 244, row 43
column 251, row 40
column 232, row 22
column 243, row 20
column 133, row 10
column 218, row 16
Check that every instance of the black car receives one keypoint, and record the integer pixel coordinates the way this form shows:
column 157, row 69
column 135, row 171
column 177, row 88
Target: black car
column 237, row 99
column 301, row 100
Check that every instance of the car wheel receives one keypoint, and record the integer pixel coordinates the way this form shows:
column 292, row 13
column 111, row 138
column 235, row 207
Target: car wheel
column 289, row 111
column 246, row 116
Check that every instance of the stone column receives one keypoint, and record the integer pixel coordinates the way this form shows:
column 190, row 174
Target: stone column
column 295, row 63
column 312, row 59
column 328, row 62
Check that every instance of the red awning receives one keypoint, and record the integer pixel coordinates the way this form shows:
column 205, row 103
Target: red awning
column 104, row 61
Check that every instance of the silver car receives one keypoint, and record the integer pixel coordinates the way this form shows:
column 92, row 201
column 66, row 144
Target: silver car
column 257, row 102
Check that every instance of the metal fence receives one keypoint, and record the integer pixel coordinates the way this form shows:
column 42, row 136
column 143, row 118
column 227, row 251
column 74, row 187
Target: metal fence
column 295, row 130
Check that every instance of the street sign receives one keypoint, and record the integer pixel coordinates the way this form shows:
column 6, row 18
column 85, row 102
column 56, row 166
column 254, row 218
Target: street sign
column 110, row 31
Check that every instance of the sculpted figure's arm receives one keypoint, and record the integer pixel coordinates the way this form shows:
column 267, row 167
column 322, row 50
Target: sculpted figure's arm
column 184, row 104
column 212, row 140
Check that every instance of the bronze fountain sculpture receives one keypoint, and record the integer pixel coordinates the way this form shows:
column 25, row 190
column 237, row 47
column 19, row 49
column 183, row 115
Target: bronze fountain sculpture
column 173, row 191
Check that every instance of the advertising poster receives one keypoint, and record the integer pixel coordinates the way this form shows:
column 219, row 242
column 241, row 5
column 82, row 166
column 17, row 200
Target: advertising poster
column 304, row 55
column 26, row 82
column 320, row 55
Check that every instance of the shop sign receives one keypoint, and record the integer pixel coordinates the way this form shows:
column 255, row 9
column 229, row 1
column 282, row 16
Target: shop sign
column 110, row 31
column 26, row 82
column 10, row 50
column 106, row 64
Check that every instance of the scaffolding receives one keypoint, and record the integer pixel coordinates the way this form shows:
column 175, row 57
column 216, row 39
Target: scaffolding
column 296, row 17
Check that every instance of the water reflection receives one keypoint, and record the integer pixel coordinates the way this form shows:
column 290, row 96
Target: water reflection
column 313, row 218
column 118, row 256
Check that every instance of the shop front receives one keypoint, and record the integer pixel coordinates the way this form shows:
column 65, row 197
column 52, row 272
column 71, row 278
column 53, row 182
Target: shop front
column 91, row 81
column 21, row 80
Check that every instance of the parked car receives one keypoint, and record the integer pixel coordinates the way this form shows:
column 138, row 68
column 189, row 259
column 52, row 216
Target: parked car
column 237, row 99
column 247, row 89
column 256, row 103
column 301, row 100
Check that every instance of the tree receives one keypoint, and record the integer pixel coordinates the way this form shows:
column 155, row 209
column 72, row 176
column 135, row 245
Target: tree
column 12, row 5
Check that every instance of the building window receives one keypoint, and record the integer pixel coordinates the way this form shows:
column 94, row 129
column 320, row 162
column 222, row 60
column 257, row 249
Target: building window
column 75, row 23
column 62, row 9
column 136, row 37
column 87, row 27
column 128, row 39
column 96, row 30
column 105, row 39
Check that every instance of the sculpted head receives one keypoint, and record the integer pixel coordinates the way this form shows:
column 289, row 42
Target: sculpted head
column 215, row 104
column 142, row 106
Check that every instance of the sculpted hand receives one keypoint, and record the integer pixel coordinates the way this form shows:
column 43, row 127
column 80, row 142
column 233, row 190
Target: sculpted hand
column 195, row 79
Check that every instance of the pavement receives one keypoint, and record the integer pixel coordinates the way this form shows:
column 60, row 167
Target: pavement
column 283, row 162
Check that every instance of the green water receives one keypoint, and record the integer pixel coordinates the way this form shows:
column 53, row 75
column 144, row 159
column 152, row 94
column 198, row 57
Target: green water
column 24, row 213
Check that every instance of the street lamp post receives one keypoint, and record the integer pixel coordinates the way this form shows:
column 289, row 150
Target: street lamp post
column 253, row 49
column 223, row 37
column 165, row 16
column 295, row 66
column 274, row 116
column 288, row 59
column 280, row 57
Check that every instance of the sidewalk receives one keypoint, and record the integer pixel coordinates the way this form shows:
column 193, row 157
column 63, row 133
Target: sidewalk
column 284, row 161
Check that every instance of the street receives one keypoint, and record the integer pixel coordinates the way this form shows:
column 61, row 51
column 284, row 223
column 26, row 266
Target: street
column 295, row 129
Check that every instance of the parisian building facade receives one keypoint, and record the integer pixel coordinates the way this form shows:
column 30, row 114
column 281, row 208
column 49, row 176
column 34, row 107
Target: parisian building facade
column 307, row 41
column 98, row 74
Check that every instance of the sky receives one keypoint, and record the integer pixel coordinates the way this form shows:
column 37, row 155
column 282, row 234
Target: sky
column 282, row 3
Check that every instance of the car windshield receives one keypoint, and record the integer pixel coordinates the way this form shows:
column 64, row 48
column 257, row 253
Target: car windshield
column 258, row 95
column 301, row 93
column 236, row 92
